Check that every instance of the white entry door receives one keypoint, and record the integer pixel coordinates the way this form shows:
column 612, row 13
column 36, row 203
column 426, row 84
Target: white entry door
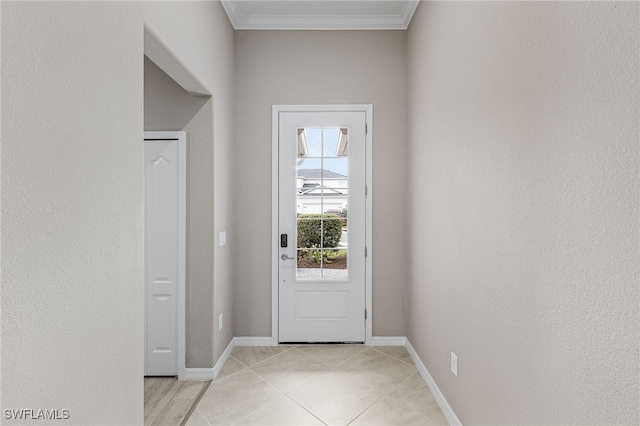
column 164, row 267
column 322, row 223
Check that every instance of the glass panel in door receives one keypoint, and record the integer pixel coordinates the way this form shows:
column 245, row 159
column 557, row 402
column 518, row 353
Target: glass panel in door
column 322, row 198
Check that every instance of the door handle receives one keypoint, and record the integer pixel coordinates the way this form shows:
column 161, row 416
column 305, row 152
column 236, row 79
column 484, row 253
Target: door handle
column 285, row 257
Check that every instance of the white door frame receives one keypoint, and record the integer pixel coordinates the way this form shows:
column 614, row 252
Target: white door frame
column 276, row 110
column 181, row 137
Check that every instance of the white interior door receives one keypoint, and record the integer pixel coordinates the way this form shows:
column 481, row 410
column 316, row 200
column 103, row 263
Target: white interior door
column 164, row 274
column 321, row 223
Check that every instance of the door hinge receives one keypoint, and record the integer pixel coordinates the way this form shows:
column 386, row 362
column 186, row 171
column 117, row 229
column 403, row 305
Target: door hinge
column 365, row 314
column 366, row 129
column 366, row 190
column 366, row 253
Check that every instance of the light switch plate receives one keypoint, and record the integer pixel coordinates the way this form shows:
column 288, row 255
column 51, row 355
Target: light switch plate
column 222, row 238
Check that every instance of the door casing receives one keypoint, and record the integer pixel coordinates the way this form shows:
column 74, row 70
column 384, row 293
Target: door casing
column 276, row 110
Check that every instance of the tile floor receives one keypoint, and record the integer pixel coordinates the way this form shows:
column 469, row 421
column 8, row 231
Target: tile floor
column 317, row 385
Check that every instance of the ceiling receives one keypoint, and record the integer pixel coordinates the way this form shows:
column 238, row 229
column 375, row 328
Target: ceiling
column 320, row 14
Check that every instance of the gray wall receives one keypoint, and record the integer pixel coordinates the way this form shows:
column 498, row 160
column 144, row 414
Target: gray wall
column 523, row 208
column 167, row 106
column 330, row 67
column 72, row 195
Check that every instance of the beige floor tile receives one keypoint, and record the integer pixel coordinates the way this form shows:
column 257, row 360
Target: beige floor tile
column 377, row 370
column 250, row 355
column 414, row 394
column 397, row 352
column 335, row 398
column 234, row 397
column 231, row 366
column 281, row 412
column 388, row 411
column 334, row 384
column 289, row 370
column 333, row 355
column 438, row 418
column 196, row 419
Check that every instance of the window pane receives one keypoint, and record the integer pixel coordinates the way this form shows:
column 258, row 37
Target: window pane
column 309, row 264
column 308, row 186
column 309, row 233
column 335, row 265
column 313, row 139
column 333, row 143
column 331, row 231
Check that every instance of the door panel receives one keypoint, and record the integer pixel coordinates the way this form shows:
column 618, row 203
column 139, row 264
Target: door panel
column 321, row 206
column 162, row 271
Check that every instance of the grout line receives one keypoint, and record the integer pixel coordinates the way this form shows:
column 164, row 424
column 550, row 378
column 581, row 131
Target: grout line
column 310, row 371
column 241, row 363
column 382, row 397
column 366, row 347
column 284, row 394
column 266, row 359
column 317, row 359
column 413, row 364
column 261, row 407
column 232, row 374
column 305, row 409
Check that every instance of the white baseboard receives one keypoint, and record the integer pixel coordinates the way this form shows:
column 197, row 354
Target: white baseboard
column 388, row 341
column 253, row 341
column 268, row 341
column 209, row 373
column 199, row 374
column 223, row 358
column 439, row 397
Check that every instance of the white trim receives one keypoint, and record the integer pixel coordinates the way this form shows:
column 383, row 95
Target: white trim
column 223, row 358
column 181, row 136
column 369, row 223
column 254, row 341
column 274, row 224
column 388, row 341
column 276, row 110
column 241, row 20
column 210, row 373
column 199, row 374
column 437, row 394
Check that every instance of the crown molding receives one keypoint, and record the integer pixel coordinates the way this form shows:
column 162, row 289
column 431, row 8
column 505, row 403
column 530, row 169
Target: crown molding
column 241, row 20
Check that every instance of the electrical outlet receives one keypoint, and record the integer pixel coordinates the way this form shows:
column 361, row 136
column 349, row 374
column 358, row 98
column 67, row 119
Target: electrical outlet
column 220, row 322
column 454, row 364
column 222, row 238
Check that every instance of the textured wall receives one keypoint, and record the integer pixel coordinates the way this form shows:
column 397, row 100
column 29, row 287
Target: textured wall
column 72, row 217
column 72, row 194
column 167, row 106
column 523, row 208
column 319, row 67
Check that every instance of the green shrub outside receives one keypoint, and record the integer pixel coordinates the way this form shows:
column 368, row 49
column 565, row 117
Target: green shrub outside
column 314, row 233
